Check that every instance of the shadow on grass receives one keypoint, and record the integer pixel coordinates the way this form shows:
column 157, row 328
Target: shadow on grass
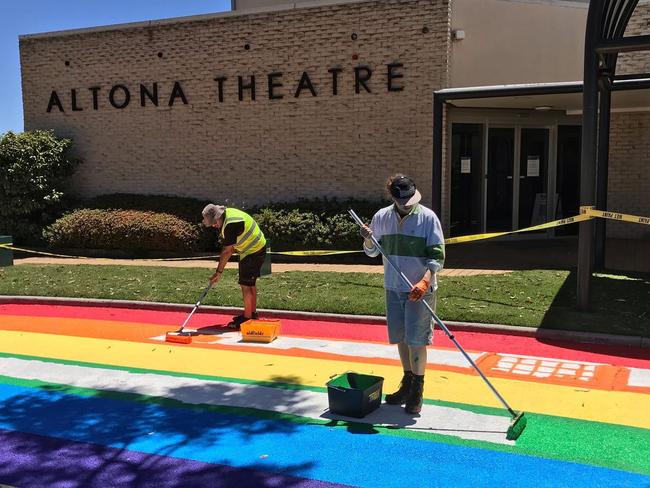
column 56, row 437
column 620, row 305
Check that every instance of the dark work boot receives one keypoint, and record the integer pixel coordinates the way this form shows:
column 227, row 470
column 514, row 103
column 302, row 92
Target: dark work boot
column 401, row 394
column 414, row 399
column 236, row 322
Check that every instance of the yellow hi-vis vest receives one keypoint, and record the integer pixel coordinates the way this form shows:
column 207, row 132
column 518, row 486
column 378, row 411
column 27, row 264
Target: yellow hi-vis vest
column 251, row 240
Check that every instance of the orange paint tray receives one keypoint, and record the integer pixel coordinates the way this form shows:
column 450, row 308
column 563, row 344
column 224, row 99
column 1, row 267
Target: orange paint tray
column 260, row 330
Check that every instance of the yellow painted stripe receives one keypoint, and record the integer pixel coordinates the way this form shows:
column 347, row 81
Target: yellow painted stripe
column 625, row 408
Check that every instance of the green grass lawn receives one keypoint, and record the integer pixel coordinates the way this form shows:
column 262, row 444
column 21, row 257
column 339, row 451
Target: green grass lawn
column 536, row 298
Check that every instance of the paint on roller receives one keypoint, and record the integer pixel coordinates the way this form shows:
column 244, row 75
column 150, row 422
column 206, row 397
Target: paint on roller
column 178, row 337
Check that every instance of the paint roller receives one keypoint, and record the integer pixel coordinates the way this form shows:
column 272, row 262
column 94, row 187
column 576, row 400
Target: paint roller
column 180, row 336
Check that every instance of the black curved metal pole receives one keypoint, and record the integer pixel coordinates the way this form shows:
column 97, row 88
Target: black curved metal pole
column 589, row 151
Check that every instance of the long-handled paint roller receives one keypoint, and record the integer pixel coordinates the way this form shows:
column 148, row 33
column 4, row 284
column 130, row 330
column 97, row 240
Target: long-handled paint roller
column 185, row 337
column 518, row 422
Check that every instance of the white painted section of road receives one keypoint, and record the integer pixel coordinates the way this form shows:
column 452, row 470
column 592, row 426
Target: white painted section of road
column 639, row 377
column 446, row 357
column 433, row 419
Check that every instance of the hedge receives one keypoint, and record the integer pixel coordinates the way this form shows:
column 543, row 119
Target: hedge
column 305, row 224
column 188, row 209
column 130, row 230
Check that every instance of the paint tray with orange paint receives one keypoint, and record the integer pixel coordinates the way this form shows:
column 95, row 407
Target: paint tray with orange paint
column 260, row 330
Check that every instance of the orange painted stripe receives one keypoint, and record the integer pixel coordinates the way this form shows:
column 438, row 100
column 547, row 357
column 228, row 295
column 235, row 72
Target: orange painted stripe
column 606, row 377
column 139, row 332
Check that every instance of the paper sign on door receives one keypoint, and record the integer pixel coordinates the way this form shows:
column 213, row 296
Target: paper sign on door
column 533, row 166
column 465, row 165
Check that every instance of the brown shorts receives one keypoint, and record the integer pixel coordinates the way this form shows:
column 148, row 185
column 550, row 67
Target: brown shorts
column 250, row 266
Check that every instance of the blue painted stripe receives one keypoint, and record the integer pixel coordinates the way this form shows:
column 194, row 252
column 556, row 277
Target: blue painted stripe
column 311, row 451
column 34, row 460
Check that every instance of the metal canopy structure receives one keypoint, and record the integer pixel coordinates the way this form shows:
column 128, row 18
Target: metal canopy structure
column 607, row 21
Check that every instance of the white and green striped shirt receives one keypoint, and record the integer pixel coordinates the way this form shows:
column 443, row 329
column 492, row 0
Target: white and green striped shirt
column 415, row 243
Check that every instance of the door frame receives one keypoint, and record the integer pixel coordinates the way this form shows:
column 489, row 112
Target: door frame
column 516, row 120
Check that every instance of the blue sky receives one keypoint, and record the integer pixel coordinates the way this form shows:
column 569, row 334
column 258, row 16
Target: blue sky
column 31, row 16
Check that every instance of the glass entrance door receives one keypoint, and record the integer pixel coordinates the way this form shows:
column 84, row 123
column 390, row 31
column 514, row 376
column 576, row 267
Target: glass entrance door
column 568, row 176
column 499, row 179
column 501, row 176
column 466, row 179
column 533, row 177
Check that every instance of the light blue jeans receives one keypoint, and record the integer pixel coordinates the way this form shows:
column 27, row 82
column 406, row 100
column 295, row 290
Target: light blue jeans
column 409, row 322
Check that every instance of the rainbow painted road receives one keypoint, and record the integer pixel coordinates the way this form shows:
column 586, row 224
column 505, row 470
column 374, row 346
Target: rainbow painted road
column 93, row 396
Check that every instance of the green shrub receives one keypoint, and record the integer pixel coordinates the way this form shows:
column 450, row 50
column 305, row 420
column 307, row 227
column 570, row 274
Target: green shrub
column 325, row 207
column 304, row 230
column 314, row 224
column 129, row 230
column 188, row 209
column 34, row 167
column 300, row 225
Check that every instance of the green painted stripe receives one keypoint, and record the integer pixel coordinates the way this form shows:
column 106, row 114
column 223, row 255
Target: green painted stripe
column 436, row 252
column 593, row 443
column 403, row 245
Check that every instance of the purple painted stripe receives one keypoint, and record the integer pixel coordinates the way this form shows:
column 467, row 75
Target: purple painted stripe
column 39, row 461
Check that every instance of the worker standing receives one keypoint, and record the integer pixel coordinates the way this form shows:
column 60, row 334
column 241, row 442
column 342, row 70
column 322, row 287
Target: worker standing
column 241, row 234
column 412, row 236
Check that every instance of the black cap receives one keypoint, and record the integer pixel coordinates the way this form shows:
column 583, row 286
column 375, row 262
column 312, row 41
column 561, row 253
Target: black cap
column 404, row 192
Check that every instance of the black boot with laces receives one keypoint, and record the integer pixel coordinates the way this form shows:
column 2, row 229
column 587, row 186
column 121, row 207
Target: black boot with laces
column 402, row 393
column 414, row 399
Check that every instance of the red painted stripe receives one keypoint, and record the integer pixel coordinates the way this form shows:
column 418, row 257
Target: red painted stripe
column 474, row 341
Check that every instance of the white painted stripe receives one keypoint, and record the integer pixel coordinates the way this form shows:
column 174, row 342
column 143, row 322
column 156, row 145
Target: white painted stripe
column 555, row 362
column 446, row 357
column 570, row 366
column 568, row 372
column 544, row 369
column 639, row 377
column 524, row 367
column 433, row 419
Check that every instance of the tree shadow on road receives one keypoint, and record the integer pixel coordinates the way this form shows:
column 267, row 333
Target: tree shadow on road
column 88, row 438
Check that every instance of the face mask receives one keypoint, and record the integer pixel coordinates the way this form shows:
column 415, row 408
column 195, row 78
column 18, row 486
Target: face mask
column 403, row 208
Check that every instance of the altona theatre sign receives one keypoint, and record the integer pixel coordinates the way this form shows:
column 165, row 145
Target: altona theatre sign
column 272, row 86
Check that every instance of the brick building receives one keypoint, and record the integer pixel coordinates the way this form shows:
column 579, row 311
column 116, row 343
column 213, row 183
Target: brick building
column 274, row 102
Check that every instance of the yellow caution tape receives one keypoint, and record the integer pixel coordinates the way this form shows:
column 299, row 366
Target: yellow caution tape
column 284, row 253
column 618, row 216
column 314, row 253
column 547, row 225
column 586, row 213
column 43, row 253
column 72, row 256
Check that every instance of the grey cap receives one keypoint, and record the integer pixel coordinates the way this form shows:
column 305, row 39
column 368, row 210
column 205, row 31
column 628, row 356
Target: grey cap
column 212, row 213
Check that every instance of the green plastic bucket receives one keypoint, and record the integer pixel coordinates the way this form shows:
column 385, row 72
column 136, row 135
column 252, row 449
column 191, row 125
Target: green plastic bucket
column 354, row 395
